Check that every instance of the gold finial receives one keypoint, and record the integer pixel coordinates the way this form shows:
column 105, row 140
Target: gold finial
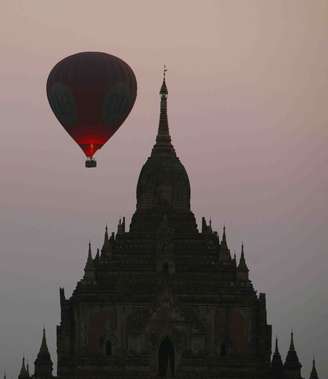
column 164, row 71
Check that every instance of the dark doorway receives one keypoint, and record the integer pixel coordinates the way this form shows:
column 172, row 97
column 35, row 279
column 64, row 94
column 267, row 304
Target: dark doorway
column 223, row 349
column 108, row 348
column 166, row 268
column 166, row 358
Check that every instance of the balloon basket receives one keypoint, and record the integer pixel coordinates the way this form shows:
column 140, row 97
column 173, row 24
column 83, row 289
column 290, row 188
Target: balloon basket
column 90, row 162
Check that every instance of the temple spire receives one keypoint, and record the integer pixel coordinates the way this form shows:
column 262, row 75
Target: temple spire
column 89, row 269
column 106, row 234
column 314, row 374
column 23, row 369
column 23, row 372
column 224, row 250
column 242, row 269
column 106, row 244
column 89, row 264
column 292, row 362
column 163, row 138
column 43, row 362
column 276, row 363
column 242, row 262
column 97, row 256
column 164, row 90
column 224, row 238
column 44, row 347
column 224, row 244
column 292, row 346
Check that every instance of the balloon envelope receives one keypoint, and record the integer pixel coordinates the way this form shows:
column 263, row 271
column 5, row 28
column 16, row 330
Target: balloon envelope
column 91, row 94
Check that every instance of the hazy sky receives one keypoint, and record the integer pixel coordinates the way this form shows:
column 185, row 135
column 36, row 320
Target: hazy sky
column 248, row 114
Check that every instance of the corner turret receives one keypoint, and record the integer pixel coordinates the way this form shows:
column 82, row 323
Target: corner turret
column 242, row 270
column 206, row 228
column 107, row 246
column 23, row 374
column 121, row 226
column 314, row 374
column 276, row 364
column 43, row 363
column 225, row 255
column 292, row 366
column 89, row 269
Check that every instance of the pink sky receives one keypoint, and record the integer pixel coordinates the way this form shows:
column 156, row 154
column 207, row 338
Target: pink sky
column 248, row 114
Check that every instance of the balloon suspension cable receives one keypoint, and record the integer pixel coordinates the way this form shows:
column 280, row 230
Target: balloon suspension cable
column 90, row 162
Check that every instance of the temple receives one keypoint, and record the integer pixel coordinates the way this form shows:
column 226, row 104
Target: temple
column 162, row 299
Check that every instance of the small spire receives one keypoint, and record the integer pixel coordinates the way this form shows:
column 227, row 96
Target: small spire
column 163, row 138
column 224, row 238
column 62, row 295
column 97, row 255
column 89, row 253
column 224, row 243
column 105, row 246
column 164, row 90
column 89, row 263
column 204, row 226
column 276, row 363
column 23, row 368
column 292, row 346
column 44, row 347
column 292, row 362
column 224, row 250
column 121, row 226
column 314, row 373
column 106, row 234
column 43, row 362
column 23, row 373
column 242, row 262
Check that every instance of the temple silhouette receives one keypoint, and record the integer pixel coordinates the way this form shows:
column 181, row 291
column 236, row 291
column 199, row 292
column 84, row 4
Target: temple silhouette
column 163, row 299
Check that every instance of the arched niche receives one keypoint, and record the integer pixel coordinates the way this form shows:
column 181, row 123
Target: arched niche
column 239, row 331
column 108, row 348
column 166, row 359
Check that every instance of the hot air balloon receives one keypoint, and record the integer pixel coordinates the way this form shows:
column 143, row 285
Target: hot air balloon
column 91, row 94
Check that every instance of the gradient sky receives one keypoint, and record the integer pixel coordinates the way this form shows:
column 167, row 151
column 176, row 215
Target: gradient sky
column 248, row 114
